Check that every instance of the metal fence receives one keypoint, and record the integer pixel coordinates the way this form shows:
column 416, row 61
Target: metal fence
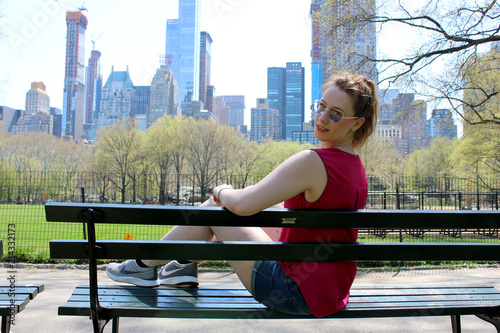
column 412, row 193
column 22, row 196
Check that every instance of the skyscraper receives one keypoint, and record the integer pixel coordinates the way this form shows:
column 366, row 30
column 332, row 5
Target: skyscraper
column 286, row 93
column 142, row 100
column 183, row 47
column 236, row 104
column 316, row 68
column 264, row 122
column 295, row 95
column 74, row 84
column 412, row 115
column 164, row 94
column 93, row 73
column 441, row 124
column 221, row 110
column 340, row 50
column 276, row 95
column 210, row 100
column 118, row 99
column 37, row 99
column 205, row 66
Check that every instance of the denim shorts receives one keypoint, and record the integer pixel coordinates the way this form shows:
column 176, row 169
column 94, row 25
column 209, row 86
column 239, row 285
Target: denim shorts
column 273, row 288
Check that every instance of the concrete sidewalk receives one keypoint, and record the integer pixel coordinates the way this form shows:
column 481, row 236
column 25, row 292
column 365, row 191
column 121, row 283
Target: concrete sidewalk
column 40, row 315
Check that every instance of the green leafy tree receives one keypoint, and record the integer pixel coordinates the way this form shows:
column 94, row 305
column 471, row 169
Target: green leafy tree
column 381, row 159
column 181, row 129
column 479, row 150
column 438, row 158
column 243, row 157
column 275, row 152
column 117, row 150
column 433, row 166
column 478, row 155
column 207, row 148
column 159, row 144
column 66, row 160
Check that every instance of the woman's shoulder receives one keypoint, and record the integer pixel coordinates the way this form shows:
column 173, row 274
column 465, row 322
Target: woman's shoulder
column 308, row 155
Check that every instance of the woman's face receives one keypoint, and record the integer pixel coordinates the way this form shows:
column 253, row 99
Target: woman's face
column 336, row 134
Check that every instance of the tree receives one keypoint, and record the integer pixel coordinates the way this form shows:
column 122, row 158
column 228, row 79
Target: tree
column 447, row 36
column 159, row 144
column 432, row 167
column 166, row 144
column 244, row 157
column 117, row 149
column 481, row 93
column 66, row 159
column 381, row 159
column 181, row 129
column 207, row 148
column 438, row 161
column 275, row 152
column 21, row 154
column 478, row 154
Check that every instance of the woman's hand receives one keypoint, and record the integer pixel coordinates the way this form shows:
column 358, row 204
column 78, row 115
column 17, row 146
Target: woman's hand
column 218, row 189
column 210, row 202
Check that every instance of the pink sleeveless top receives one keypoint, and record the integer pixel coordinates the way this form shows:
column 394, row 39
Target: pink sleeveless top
column 325, row 285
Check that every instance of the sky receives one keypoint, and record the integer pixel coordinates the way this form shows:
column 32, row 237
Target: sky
column 248, row 37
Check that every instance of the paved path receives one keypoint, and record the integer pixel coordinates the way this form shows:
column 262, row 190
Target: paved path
column 40, row 316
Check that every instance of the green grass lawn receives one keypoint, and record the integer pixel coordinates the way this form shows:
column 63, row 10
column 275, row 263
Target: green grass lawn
column 32, row 232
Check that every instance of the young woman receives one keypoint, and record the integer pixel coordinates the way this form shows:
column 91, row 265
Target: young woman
column 331, row 177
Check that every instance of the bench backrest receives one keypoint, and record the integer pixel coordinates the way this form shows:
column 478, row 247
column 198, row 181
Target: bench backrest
column 194, row 250
column 273, row 217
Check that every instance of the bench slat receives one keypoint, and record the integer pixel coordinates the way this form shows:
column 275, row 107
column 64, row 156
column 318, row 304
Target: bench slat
column 31, row 290
column 17, row 297
column 428, row 302
column 155, row 299
column 200, row 250
column 6, row 309
column 275, row 217
column 14, row 300
column 239, row 291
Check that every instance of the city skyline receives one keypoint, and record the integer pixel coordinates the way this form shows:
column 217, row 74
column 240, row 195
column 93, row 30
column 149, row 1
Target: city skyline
column 35, row 40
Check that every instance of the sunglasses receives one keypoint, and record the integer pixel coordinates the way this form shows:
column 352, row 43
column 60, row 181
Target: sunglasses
column 335, row 114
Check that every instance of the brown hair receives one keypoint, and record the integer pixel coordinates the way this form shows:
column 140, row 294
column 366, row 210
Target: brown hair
column 366, row 102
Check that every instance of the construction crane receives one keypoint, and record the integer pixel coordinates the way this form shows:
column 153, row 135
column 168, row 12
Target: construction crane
column 81, row 9
column 94, row 41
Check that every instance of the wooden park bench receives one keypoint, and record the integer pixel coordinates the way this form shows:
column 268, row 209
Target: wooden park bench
column 14, row 297
column 105, row 303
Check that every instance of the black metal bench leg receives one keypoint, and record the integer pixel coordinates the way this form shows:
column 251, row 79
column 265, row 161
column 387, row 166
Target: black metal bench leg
column 495, row 320
column 456, row 326
column 116, row 325
column 5, row 324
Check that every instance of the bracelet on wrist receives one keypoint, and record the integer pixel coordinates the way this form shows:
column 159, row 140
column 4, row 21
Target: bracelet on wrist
column 224, row 188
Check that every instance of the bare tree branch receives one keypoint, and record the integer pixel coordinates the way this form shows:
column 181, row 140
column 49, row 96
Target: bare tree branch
column 449, row 40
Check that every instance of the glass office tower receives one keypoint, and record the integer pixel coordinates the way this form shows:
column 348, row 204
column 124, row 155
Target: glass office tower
column 286, row 93
column 183, row 47
column 294, row 101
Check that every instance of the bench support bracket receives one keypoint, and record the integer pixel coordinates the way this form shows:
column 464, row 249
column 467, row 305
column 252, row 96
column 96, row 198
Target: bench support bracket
column 495, row 320
column 456, row 325
column 6, row 324
column 97, row 313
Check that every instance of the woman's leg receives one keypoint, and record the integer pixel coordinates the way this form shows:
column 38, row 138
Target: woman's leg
column 242, row 268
